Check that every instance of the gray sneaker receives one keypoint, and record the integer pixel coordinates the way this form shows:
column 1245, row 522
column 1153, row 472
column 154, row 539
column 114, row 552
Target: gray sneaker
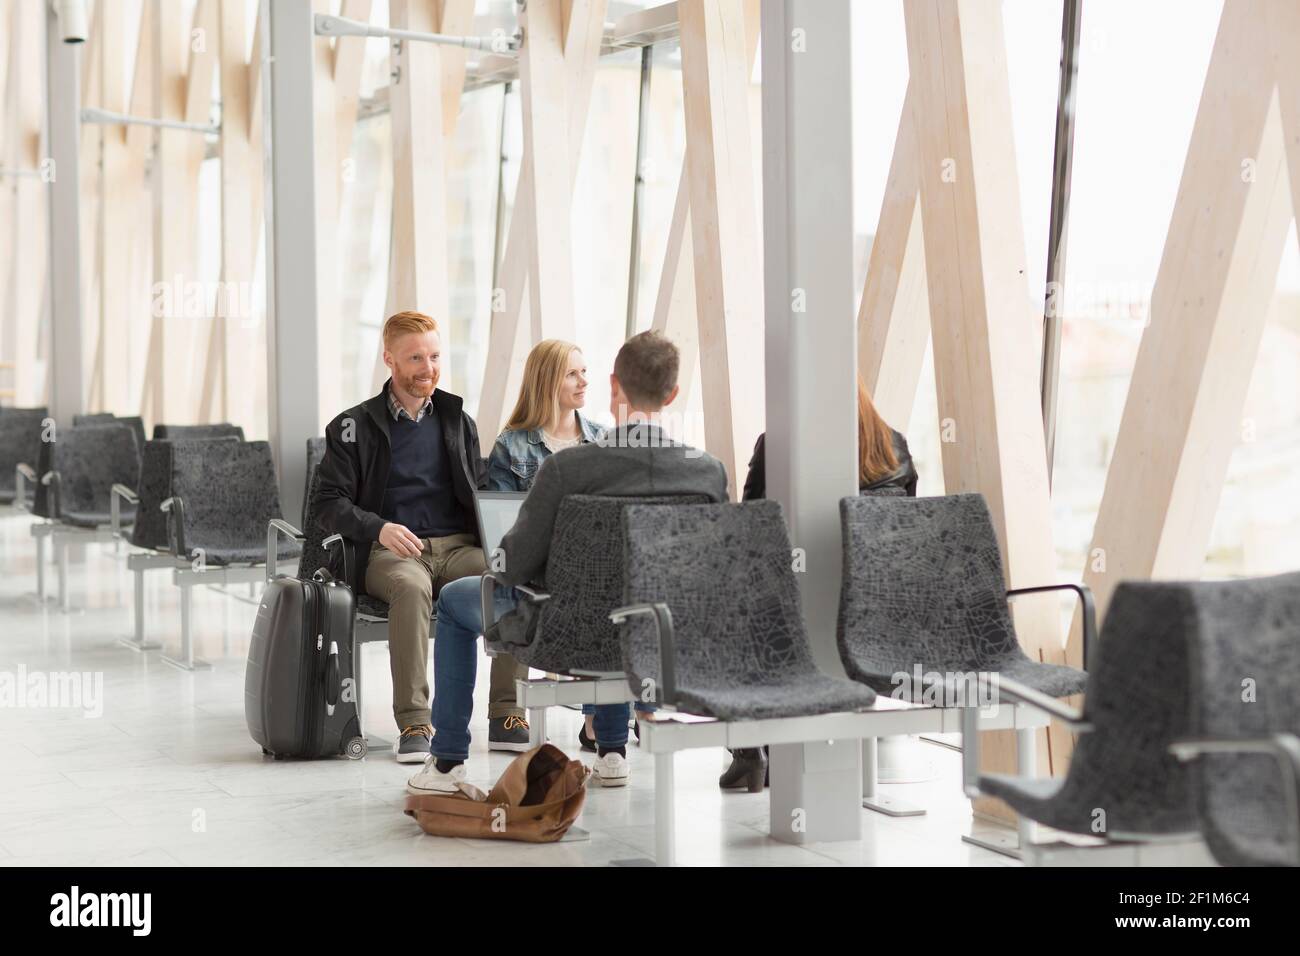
column 508, row 733
column 413, row 746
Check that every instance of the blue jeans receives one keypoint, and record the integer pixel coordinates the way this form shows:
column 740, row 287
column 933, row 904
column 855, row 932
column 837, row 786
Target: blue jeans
column 455, row 669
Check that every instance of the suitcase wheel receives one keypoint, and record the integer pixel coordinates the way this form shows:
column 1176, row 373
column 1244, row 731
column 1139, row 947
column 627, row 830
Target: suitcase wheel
column 355, row 748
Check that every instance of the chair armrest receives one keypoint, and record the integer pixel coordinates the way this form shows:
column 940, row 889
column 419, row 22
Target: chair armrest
column 274, row 528
column 22, row 475
column 487, row 591
column 53, row 481
column 1016, row 693
column 1089, row 611
column 1283, row 747
column 174, row 508
column 116, row 495
column 346, row 549
column 663, row 619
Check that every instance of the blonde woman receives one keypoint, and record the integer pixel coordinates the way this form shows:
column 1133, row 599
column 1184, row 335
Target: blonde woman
column 546, row 417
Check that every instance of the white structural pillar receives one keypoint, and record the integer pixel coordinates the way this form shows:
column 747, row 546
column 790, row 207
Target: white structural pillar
column 63, row 128
column 811, row 348
column 293, row 352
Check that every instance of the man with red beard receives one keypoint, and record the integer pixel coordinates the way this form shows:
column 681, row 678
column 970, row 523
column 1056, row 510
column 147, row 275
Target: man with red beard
column 398, row 481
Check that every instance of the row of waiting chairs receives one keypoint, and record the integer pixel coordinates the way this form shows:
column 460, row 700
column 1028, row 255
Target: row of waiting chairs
column 1187, row 734
column 194, row 501
column 708, row 605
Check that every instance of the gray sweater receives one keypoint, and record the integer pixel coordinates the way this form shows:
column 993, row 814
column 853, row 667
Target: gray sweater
column 629, row 461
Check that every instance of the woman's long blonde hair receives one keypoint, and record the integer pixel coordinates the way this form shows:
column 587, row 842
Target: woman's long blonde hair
column 876, row 458
column 539, row 393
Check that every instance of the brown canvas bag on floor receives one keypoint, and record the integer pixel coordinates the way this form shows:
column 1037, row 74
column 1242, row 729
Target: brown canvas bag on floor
column 536, row 800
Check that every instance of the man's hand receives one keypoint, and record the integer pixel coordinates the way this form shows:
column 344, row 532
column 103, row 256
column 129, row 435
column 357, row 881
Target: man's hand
column 400, row 541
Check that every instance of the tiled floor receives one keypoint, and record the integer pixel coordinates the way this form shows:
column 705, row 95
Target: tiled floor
column 168, row 775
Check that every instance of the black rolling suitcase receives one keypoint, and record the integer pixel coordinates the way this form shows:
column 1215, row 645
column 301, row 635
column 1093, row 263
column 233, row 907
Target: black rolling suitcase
column 300, row 699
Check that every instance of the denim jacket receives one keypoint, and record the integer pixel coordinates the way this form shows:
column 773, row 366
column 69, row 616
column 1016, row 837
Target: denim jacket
column 518, row 454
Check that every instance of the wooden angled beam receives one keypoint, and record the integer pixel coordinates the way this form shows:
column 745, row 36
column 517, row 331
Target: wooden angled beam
column 674, row 313
column 894, row 315
column 1182, row 417
column 986, row 338
column 546, row 157
column 420, row 142
column 509, row 336
column 724, row 225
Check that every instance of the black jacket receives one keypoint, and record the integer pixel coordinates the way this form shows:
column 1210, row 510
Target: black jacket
column 354, row 472
column 905, row 477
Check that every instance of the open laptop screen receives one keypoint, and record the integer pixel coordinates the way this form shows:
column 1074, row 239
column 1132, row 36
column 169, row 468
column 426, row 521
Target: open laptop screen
column 496, row 512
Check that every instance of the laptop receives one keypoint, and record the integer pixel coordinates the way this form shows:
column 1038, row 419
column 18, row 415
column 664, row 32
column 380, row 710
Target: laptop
column 496, row 512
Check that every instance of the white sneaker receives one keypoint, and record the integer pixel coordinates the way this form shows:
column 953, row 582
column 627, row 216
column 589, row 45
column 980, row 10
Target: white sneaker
column 611, row 770
column 431, row 780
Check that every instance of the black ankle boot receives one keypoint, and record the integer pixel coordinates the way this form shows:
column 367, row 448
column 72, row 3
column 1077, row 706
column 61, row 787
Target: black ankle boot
column 748, row 770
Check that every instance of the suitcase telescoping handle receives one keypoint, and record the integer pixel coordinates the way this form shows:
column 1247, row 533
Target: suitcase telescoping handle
column 333, row 681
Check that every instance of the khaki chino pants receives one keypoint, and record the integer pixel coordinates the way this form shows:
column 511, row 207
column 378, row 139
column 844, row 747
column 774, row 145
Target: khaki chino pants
column 410, row 586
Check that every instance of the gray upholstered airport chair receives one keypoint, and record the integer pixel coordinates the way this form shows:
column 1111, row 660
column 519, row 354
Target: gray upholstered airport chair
column 922, row 588
column 149, row 531
column 1245, row 718
column 85, row 464
column 315, row 455
column 923, row 608
column 584, row 582
column 713, row 620
column 20, row 440
column 92, row 418
column 134, row 422
column 1123, row 785
column 196, row 432
column 573, row 634
column 223, row 497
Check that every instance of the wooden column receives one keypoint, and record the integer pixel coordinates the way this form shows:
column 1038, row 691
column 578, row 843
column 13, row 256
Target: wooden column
column 546, row 157
column 170, row 396
column 27, row 260
column 986, row 338
column 118, row 193
column 136, row 229
column 236, row 342
column 894, row 315
column 91, row 214
column 349, row 58
column 724, row 226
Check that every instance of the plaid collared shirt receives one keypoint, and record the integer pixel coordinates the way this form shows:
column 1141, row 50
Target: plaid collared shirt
column 397, row 411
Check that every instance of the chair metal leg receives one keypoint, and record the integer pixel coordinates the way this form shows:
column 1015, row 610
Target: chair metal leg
column 999, row 837
column 373, row 744
column 665, row 818
column 872, row 799
column 536, row 726
column 187, row 661
column 61, row 562
column 40, row 567
column 137, row 642
column 1026, row 766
